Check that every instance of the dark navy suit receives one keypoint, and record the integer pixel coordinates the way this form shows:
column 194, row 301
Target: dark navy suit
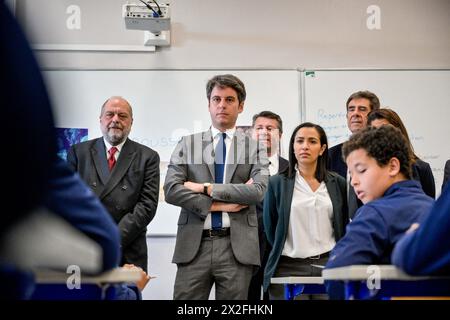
column 29, row 144
column 336, row 163
column 70, row 198
column 421, row 171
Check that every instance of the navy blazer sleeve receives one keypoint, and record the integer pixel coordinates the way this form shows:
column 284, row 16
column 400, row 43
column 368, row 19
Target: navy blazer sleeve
column 70, row 198
column 335, row 161
column 370, row 234
column 30, row 145
column 427, row 250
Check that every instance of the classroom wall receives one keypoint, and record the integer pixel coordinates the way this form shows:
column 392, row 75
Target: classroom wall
column 234, row 34
column 252, row 34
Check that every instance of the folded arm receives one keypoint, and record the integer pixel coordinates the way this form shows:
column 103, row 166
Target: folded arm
column 176, row 192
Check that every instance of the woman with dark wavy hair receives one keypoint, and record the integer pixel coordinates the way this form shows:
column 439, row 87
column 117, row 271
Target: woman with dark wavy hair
column 421, row 170
column 305, row 210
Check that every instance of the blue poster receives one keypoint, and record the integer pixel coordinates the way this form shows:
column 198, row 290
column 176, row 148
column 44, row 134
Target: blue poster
column 67, row 137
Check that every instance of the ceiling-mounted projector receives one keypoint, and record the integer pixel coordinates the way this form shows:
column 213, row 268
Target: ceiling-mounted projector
column 151, row 17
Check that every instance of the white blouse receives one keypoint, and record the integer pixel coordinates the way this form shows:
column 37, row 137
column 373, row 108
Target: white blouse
column 310, row 230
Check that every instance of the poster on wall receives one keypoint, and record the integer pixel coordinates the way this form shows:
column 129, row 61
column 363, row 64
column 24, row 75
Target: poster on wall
column 66, row 137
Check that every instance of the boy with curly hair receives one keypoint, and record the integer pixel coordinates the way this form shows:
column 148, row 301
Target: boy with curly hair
column 380, row 170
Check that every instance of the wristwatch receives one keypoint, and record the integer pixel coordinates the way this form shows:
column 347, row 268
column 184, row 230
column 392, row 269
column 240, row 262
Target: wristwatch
column 205, row 187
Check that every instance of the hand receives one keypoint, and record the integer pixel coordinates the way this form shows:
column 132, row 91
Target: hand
column 195, row 187
column 142, row 282
column 413, row 227
column 227, row 207
column 250, row 181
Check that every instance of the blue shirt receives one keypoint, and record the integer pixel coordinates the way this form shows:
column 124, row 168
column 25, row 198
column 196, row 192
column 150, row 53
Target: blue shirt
column 427, row 250
column 379, row 224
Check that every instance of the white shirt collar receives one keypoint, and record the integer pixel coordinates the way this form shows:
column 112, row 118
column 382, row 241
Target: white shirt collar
column 109, row 146
column 273, row 164
column 230, row 132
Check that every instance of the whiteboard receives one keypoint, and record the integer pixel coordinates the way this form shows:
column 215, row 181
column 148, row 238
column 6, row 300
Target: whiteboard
column 167, row 104
column 420, row 97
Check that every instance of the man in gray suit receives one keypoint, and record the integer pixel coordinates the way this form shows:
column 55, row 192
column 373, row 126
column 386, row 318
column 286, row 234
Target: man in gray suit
column 124, row 175
column 217, row 177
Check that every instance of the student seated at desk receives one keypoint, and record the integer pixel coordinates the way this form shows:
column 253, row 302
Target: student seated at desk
column 380, row 170
column 425, row 249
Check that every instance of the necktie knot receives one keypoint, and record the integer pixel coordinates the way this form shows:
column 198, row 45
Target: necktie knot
column 112, row 151
column 112, row 158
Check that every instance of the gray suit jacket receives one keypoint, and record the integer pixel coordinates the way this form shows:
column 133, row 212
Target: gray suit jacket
column 130, row 192
column 193, row 160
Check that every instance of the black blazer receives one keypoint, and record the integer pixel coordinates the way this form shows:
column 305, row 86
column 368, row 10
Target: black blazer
column 277, row 209
column 421, row 172
column 130, row 192
column 283, row 165
column 337, row 164
column 335, row 161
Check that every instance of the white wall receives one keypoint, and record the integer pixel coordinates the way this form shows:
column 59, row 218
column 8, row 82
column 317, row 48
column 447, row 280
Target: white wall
column 215, row 34
column 252, row 34
column 160, row 251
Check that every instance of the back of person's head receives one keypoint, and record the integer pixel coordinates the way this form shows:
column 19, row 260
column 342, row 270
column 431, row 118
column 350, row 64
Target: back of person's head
column 394, row 119
column 321, row 170
column 269, row 115
column 29, row 148
column 372, row 97
column 381, row 144
column 226, row 81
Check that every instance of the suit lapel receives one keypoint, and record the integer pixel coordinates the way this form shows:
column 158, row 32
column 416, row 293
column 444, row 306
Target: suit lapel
column 98, row 153
column 126, row 157
column 332, row 187
column 208, row 152
column 283, row 164
column 236, row 152
column 288, row 201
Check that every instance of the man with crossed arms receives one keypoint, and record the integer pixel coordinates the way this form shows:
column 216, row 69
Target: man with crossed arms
column 217, row 177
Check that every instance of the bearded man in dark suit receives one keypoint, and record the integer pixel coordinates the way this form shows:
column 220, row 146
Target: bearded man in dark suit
column 123, row 174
